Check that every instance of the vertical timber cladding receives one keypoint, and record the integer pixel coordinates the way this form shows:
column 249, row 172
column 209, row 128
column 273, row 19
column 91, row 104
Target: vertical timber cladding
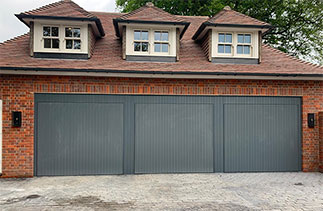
column 120, row 134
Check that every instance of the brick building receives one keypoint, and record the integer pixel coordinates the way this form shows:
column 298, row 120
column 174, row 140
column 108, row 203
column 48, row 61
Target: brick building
column 149, row 92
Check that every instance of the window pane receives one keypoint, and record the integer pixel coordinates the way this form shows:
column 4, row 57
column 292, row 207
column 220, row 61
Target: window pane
column 137, row 35
column 69, row 44
column 247, row 38
column 221, row 37
column 76, row 32
column 144, row 35
column 164, row 36
column 228, row 38
column 227, row 48
column 55, row 43
column 144, row 46
column 157, row 47
column 137, row 46
column 246, row 49
column 164, row 47
column 157, row 35
column 220, row 48
column 46, row 31
column 77, row 44
column 68, row 32
column 55, row 31
column 240, row 38
column 47, row 43
column 240, row 49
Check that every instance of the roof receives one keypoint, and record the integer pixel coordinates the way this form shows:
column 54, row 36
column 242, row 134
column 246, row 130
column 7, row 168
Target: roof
column 61, row 9
column 107, row 56
column 150, row 14
column 228, row 16
column 231, row 18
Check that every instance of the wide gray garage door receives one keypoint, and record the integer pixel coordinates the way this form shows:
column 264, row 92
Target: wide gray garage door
column 119, row 134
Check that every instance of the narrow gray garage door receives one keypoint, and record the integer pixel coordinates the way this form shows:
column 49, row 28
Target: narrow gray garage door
column 79, row 138
column 173, row 138
column 120, row 134
column 261, row 137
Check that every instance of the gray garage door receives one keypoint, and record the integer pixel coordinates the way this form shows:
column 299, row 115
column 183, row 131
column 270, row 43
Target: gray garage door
column 119, row 134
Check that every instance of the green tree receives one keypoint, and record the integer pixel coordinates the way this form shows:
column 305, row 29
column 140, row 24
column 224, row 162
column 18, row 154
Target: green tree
column 298, row 23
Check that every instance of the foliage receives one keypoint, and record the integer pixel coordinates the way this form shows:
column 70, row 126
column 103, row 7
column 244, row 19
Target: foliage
column 298, row 23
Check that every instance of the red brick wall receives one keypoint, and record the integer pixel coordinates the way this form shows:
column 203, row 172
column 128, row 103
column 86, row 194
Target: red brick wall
column 321, row 140
column 17, row 93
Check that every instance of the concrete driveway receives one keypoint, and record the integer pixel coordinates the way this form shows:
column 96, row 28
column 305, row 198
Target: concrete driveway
column 247, row 191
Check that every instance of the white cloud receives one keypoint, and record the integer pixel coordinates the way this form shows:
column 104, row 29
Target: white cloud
column 11, row 27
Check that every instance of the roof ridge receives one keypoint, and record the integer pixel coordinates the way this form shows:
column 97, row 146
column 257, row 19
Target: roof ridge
column 292, row 57
column 14, row 39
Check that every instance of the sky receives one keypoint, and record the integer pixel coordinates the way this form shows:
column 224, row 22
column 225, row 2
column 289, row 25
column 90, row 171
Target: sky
column 11, row 27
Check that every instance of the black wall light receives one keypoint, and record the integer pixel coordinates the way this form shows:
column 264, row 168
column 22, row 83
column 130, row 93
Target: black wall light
column 16, row 118
column 311, row 120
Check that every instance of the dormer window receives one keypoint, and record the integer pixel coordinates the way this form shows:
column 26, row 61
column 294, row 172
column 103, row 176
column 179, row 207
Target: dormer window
column 150, row 43
column 150, row 34
column 237, row 46
column 61, row 39
column 51, row 37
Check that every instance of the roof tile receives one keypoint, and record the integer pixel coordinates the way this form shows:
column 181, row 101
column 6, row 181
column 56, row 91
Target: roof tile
column 228, row 16
column 149, row 12
column 64, row 8
column 107, row 55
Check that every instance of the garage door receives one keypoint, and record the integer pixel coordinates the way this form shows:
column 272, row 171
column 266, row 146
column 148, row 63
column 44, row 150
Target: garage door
column 119, row 134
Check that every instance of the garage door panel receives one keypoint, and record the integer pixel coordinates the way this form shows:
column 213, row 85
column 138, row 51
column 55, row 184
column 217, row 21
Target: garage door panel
column 79, row 138
column 173, row 138
column 261, row 137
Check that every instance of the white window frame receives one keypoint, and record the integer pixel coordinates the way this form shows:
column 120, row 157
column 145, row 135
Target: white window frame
column 244, row 44
column 39, row 42
column 254, row 45
column 50, row 37
column 151, row 29
column 72, row 38
column 161, row 41
column 141, row 41
column 225, row 43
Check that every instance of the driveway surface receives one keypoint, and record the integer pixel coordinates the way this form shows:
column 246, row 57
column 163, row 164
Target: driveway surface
column 239, row 191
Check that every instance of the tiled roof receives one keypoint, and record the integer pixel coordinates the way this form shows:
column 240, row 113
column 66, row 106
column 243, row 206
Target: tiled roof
column 107, row 56
column 62, row 8
column 149, row 12
column 228, row 16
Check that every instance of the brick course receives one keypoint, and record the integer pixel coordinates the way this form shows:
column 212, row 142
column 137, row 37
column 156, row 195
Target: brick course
column 17, row 93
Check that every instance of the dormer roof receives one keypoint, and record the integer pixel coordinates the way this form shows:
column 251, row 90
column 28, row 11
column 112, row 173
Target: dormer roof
column 230, row 18
column 149, row 14
column 62, row 10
